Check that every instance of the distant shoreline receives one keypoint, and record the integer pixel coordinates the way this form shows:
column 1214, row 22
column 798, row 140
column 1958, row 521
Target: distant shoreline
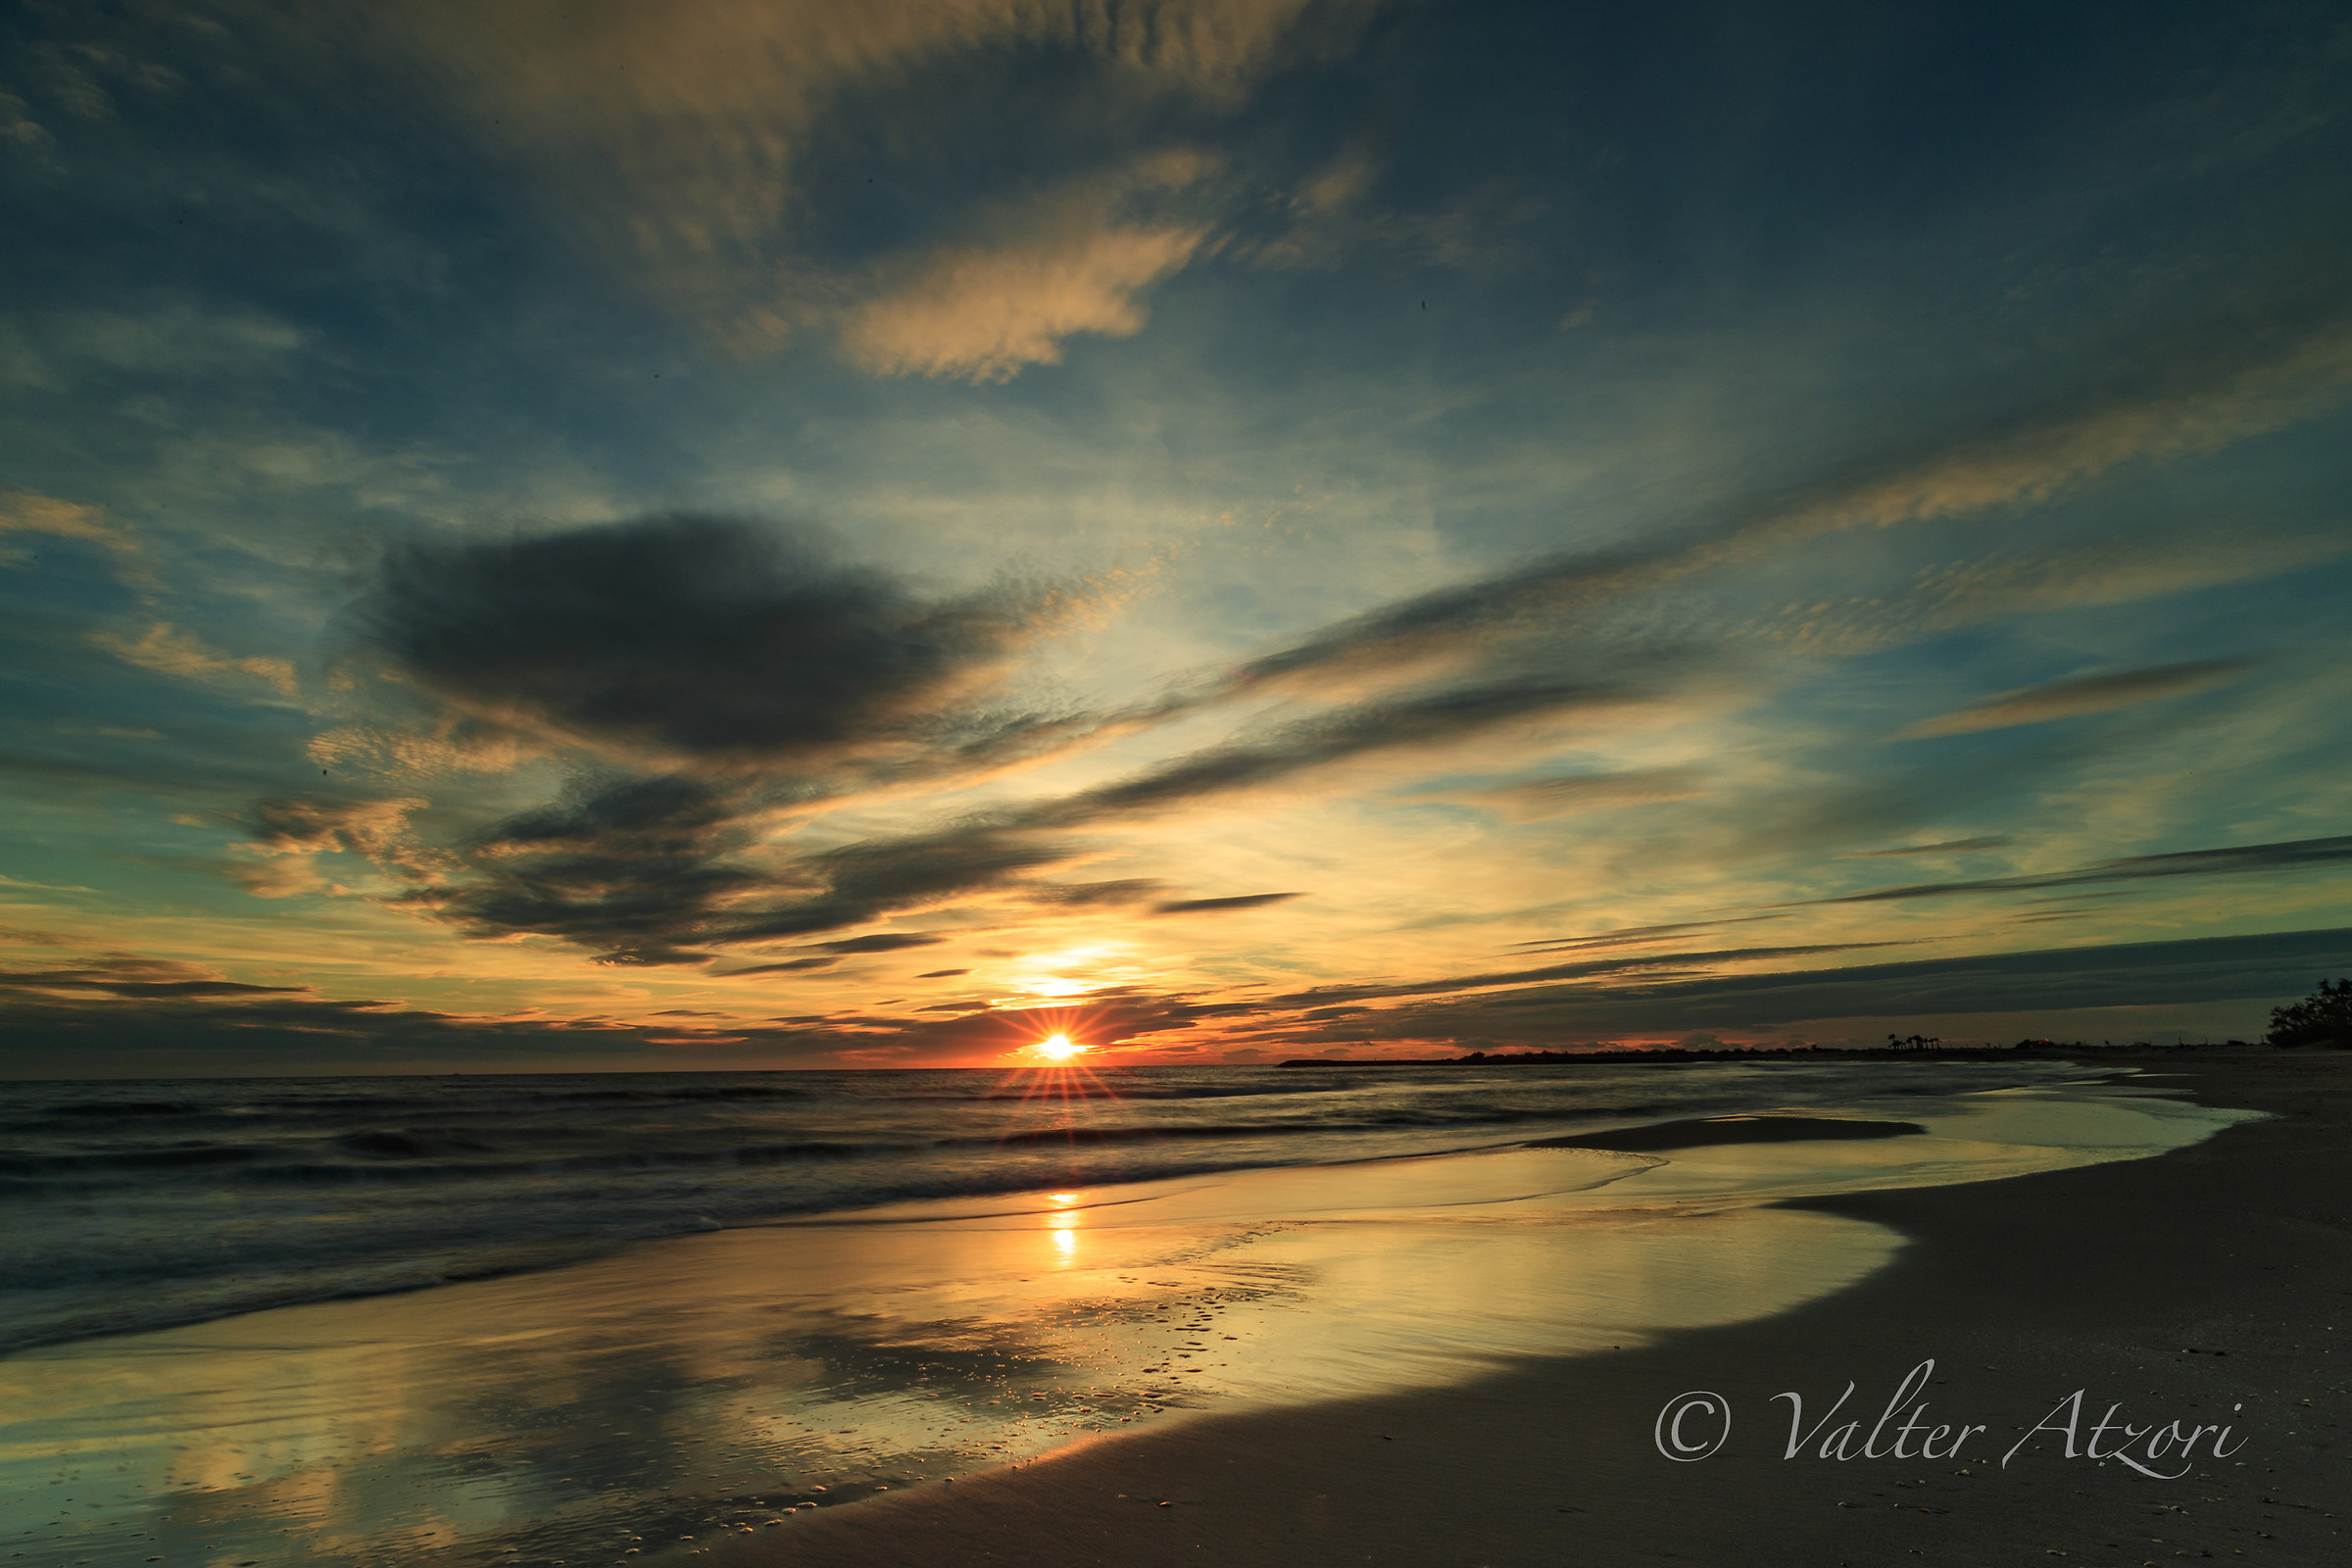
column 1621, row 1056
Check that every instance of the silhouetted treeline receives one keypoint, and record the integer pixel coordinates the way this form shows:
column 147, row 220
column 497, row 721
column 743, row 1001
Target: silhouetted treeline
column 2323, row 1019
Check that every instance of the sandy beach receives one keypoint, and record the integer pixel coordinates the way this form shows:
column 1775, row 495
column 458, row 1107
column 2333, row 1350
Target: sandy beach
column 2205, row 1286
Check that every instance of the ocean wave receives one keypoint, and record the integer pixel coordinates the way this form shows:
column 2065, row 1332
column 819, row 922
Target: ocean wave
column 1101, row 1091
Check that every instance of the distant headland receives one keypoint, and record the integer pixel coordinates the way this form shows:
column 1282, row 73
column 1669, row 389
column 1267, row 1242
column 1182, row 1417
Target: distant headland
column 1915, row 1049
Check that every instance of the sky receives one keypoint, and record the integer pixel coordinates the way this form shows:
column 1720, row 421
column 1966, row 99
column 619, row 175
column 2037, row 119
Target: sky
column 576, row 535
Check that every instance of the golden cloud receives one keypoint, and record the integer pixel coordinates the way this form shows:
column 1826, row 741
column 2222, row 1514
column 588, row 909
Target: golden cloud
column 170, row 650
column 1064, row 264
column 22, row 512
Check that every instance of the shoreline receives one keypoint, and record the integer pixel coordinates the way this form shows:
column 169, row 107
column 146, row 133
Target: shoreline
column 2178, row 1286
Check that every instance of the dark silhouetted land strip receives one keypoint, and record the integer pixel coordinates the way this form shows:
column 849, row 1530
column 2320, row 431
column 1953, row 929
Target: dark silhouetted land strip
column 1700, row 1131
column 1672, row 1055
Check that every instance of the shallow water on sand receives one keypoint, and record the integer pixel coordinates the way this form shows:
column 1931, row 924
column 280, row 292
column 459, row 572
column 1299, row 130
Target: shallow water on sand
column 706, row 1383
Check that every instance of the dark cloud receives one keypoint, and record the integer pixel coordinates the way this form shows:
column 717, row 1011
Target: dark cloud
column 1416, row 719
column 658, row 864
column 880, row 876
column 1242, row 900
column 1635, row 935
column 788, row 966
column 1662, row 961
column 225, row 1027
column 866, row 881
column 1948, row 846
column 883, row 942
column 698, row 637
column 941, row 974
column 629, row 866
column 2091, row 694
column 119, row 980
column 2295, row 854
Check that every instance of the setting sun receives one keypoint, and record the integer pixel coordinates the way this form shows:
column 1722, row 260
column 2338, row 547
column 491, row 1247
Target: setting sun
column 1060, row 1048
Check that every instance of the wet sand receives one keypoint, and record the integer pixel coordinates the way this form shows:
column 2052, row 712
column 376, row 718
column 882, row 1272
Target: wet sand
column 2209, row 1286
column 1701, row 1132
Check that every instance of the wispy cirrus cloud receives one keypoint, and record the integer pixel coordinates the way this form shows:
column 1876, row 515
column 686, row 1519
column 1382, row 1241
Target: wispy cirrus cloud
column 1238, row 900
column 170, row 650
column 2243, row 859
column 2086, row 695
column 1945, row 847
column 1541, row 800
column 22, row 512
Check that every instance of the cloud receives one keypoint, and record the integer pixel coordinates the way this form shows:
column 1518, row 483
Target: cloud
column 2089, row 693
column 178, row 340
column 2248, row 860
column 664, row 860
column 2123, row 975
column 619, row 865
column 1413, row 721
column 199, row 1024
column 2222, row 380
column 1637, row 935
column 884, row 942
column 126, row 1004
column 135, row 978
column 292, row 831
column 1948, row 846
column 1322, row 996
column 789, row 966
column 687, row 143
column 22, row 512
column 1066, row 264
column 1243, row 901
column 168, row 651
column 2006, row 582
column 454, row 745
column 310, row 826
column 1542, row 799
column 765, row 677
column 689, row 638
column 941, row 974
column 2214, row 385
column 1093, row 895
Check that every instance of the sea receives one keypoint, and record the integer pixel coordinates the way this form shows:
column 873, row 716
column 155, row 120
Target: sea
column 132, row 1206
column 585, row 1318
